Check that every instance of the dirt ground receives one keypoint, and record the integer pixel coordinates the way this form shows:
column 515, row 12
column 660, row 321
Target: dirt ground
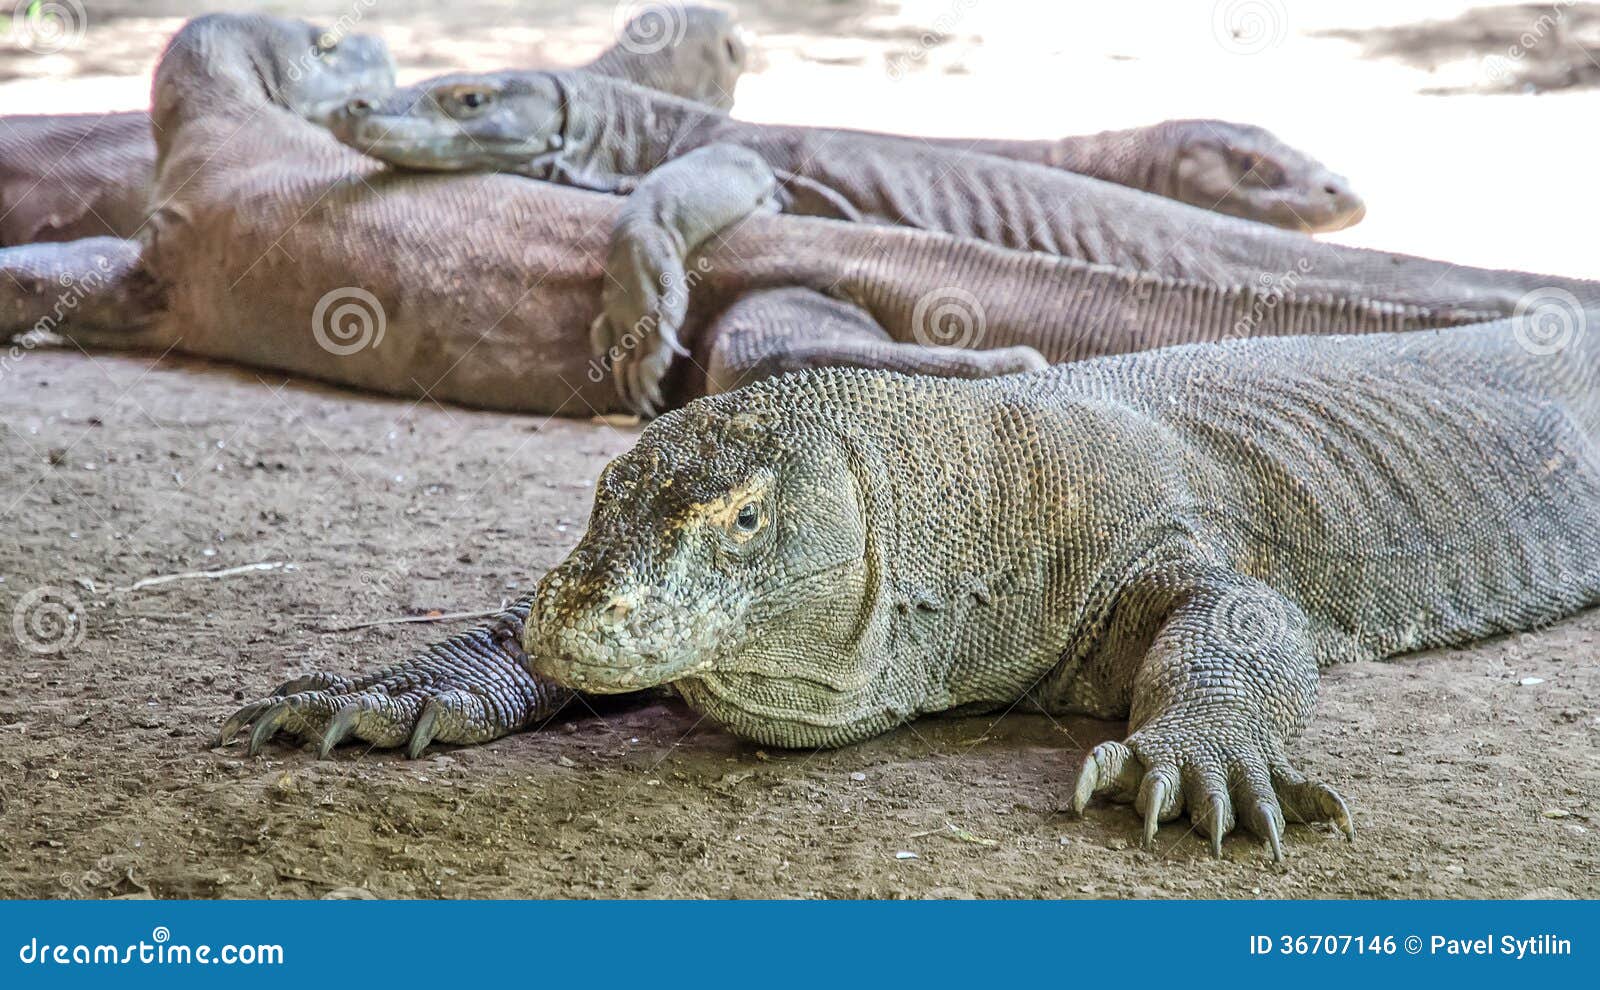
column 1464, row 780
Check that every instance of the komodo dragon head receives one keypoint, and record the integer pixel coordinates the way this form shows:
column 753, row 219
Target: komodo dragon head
column 732, row 553
column 692, row 51
column 1247, row 172
column 518, row 121
column 469, row 122
column 294, row 64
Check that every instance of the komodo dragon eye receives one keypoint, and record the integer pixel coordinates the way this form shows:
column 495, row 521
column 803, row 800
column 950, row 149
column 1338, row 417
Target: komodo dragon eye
column 472, row 99
column 327, row 44
column 749, row 518
column 1257, row 170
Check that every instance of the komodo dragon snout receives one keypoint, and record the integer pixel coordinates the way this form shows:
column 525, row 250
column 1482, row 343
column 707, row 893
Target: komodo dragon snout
column 511, row 121
column 754, row 538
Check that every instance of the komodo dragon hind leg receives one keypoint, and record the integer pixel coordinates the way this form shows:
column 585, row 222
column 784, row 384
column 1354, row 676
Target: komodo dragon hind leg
column 1221, row 676
column 671, row 212
column 468, row 689
column 93, row 291
column 758, row 337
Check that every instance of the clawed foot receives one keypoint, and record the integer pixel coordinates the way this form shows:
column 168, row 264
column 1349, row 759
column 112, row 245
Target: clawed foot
column 643, row 305
column 640, row 356
column 468, row 689
column 1219, row 783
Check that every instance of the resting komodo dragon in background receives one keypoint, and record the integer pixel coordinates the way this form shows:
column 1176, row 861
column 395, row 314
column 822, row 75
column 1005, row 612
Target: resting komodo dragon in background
column 503, row 121
column 71, row 176
column 485, row 284
column 1181, row 537
column 693, row 172
column 1238, row 169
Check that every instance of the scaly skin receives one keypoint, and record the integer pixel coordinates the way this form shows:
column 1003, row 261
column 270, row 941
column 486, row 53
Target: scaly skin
column 1238, row 169
column 699, row 171
column 66, row 177
column 1232, row 168
column 609, row 136
column 269, row 222
column 1182, row 537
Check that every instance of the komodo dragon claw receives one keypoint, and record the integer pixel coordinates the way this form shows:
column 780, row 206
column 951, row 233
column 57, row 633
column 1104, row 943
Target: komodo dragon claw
column 1161, row 774
column 470, row 688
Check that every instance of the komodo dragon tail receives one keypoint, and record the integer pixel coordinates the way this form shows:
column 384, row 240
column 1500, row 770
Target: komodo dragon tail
column 93, row 291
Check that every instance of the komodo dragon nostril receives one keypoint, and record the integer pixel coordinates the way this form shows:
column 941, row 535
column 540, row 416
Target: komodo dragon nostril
column 358, row 107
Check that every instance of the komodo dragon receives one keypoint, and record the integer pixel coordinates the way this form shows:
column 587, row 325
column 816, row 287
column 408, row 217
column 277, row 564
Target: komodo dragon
column 277, row 241
column 502, row 121
column 692, row 172
column 1180, row 537
column 71, row 176
column 1238, row 169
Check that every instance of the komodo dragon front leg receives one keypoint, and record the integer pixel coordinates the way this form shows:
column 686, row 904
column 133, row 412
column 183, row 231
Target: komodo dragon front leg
column 668, row 216
column 1219, row 676
column 467, row 689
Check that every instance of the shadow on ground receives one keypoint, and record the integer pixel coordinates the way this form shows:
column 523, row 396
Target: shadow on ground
column 1522, row 48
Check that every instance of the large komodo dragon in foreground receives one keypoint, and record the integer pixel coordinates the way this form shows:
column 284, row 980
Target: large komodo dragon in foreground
column 692, row 172
column 1181, row 537
column 276, row 241
column 69, row 176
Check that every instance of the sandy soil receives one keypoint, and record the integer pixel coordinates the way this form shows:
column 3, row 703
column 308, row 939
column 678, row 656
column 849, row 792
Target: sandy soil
column 1463, row 781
